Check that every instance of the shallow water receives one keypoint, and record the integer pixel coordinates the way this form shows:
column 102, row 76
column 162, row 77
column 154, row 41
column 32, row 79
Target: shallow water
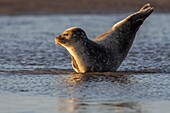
column 73, row 93
column 27, row 43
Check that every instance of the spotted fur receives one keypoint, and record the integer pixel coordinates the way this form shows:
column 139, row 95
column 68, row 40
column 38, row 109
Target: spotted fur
column 108, row 50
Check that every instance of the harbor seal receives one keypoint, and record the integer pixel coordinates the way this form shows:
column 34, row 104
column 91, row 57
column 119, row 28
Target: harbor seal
column 107, row 51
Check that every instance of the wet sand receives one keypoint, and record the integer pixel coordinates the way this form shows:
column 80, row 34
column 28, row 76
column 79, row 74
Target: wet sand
column 77, row 6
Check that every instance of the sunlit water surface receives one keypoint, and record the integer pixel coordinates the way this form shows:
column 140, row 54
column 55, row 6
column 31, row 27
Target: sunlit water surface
column 27, row 43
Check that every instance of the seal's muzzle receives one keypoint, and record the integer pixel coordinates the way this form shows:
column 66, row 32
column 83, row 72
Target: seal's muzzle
column 60, row 40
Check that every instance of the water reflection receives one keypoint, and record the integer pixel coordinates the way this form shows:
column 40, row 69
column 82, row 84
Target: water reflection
column 67, row 105
column 72, row 105
column 85, row 105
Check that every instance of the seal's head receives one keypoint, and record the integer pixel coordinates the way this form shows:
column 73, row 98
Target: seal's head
column 74, row 39
column 70, row 37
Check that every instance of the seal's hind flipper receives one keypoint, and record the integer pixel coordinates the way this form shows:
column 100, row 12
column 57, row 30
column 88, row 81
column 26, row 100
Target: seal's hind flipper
column 128, row 26
column 145, row 6
column 143, row 13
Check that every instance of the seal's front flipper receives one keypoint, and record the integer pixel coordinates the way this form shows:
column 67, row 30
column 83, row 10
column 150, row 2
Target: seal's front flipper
column 74, row 64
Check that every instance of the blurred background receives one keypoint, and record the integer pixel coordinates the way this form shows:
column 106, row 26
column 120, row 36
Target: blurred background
column 77, row 6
